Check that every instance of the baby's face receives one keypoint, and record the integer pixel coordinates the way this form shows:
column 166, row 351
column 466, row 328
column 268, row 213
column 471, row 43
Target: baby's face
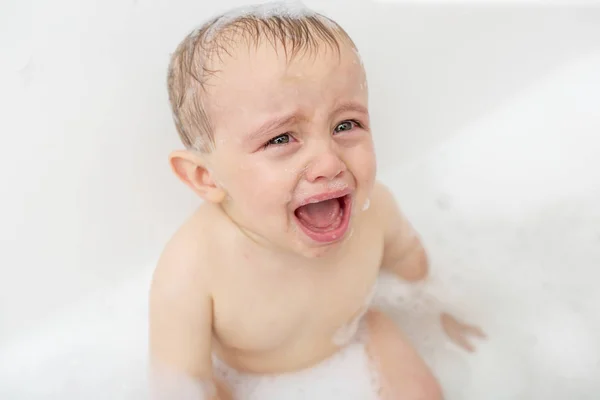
column 291, row 133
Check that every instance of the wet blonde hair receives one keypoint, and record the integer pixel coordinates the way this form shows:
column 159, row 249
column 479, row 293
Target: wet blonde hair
column 295, row 29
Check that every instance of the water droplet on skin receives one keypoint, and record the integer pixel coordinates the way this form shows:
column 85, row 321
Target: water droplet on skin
column 190, row 92
column 358, row 56
column 350, row 233
column 366, row 205
column 337, row 185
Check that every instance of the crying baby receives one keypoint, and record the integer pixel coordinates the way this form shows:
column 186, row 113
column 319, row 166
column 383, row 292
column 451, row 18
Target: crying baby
column 264, row 292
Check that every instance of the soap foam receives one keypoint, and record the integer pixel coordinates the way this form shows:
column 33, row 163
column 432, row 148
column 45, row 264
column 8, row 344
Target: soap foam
column 366, row 205
column 288, row 9
column 348, row 374
column 346, row 333
column 166, row 384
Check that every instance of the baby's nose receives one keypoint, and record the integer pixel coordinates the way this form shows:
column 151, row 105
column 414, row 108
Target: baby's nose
column 325, row 166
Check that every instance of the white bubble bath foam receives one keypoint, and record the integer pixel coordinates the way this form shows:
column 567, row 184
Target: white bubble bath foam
column 509, row 210
column 346, row 375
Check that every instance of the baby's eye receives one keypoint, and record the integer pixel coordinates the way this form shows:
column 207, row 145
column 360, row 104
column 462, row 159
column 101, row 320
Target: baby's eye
column 278, row 140
column 345, row 126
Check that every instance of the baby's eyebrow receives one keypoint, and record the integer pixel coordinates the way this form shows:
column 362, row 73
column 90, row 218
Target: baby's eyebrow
column 271, row 125
column 351, row 106
column 275, row 123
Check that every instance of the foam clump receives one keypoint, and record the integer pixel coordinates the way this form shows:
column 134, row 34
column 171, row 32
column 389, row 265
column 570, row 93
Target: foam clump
column 366, row 205
column 337, row 185
column 427, row 296
column 166, row 384
column 347, row 375
column 288, row 9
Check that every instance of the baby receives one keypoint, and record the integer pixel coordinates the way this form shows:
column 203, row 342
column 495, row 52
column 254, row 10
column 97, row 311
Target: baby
column 274, row 272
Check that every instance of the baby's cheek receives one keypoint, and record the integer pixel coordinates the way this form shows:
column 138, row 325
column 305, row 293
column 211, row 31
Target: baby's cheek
column 364, row 165
column 265, row 187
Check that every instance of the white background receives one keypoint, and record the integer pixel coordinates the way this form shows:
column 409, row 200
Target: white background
column 87, row 196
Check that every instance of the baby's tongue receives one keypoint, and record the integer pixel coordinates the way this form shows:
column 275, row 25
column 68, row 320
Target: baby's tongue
column 320, row 215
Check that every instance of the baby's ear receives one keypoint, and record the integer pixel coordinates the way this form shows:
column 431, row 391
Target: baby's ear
column 191, row 168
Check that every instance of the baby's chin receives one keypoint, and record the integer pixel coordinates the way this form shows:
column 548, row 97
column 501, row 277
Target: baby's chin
column 307, row 248
column 310, row 250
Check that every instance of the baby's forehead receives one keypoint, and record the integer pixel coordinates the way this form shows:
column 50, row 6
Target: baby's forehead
column 262, row 84
column 263, row 77
column 238, row 46
column 272, row 63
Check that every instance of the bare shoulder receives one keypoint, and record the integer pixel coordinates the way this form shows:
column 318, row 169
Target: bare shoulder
column 180, row 303
column 185, row 255
column 185, row 272
column 383, row 204
column 382, row 194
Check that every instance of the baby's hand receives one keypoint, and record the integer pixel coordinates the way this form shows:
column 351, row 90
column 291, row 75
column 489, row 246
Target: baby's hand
column 458, row 331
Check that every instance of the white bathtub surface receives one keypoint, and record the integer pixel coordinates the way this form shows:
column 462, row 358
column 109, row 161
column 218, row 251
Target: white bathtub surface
column 92, row 73
column 510, row 210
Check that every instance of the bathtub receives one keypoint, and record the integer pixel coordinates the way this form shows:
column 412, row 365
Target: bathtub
column 508, row 206
column 510, row 212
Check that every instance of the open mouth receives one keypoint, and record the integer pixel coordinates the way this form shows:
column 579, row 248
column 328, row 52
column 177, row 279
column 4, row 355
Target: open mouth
column 327, row 220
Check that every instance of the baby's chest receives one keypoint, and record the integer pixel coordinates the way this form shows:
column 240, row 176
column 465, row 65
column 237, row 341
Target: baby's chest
column 260, row 317
column 264, row 314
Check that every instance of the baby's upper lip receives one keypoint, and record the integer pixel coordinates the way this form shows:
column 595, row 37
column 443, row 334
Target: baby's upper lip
column 334, row 194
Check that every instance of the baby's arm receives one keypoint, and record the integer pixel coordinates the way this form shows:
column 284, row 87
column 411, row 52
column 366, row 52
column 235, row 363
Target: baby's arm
column 181, row 330
column 405, row 256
